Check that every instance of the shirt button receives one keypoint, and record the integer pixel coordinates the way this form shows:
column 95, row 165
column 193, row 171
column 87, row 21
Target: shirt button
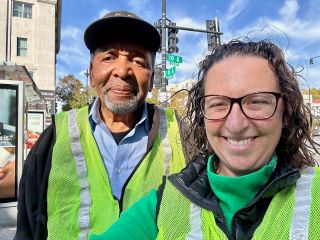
column 118, row 171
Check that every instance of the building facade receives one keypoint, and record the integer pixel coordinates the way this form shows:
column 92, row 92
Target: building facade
column 313, row 104
column 186, row 84
column 30, row 36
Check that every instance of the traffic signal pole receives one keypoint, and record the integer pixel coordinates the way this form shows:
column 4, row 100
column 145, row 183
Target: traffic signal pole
column 163, row 47
column 213, row 34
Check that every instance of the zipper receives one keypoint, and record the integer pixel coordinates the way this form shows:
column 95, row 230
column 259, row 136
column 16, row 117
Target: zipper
column 256, row 199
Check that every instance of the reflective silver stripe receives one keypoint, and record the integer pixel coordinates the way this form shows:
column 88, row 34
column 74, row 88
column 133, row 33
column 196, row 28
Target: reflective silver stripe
column 299, row 228
column 165, row 143
column 195, row 223
column 84, row 211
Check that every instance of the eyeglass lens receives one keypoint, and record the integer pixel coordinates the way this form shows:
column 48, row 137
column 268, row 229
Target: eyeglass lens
column 255, row 106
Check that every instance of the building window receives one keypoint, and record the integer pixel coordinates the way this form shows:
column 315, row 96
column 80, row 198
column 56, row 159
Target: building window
column 23, row 10
column 22, row 47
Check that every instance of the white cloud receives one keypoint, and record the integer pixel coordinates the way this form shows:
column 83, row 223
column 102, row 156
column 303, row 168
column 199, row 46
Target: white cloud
column 289, row 10
column 73, row 54
column 70, row 32
column 312, row 76
column 298, row 37
column 236, row 7
column 191, row 58
column 296, row 32
column 190, row 23
column 137, row 6
column 103, row 12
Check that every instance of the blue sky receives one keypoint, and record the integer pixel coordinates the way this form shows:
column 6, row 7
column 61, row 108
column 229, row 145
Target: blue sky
column 293, row 25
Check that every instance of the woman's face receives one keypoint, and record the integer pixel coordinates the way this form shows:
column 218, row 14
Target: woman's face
column 243, row 145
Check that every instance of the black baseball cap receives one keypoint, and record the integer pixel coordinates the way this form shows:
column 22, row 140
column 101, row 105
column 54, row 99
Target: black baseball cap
column 121, row 25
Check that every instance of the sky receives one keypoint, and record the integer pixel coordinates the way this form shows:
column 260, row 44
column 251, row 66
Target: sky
column 294, row 25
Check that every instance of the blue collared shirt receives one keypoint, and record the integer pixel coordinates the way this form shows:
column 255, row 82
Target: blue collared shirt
column 119, row 160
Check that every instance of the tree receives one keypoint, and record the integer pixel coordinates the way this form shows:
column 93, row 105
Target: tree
column 154, row 97
column 313, row 91
column 179, row 101
column 72, row 94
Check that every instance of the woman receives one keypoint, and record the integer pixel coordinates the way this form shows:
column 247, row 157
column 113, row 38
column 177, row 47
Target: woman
column 254, row 174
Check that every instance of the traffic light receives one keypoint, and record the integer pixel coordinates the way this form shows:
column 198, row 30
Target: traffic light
column 157, row 25
column 172, row 38
column 213, row 29
column 157, row 77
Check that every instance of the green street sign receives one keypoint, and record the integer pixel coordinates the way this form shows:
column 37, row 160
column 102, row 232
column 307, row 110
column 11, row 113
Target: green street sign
column 173, row 59
column 170, row 72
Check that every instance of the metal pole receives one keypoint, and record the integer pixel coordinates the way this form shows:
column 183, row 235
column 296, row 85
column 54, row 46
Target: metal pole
column 87, row 85
column 194, row 29
column 7, row 30
column 163, row 48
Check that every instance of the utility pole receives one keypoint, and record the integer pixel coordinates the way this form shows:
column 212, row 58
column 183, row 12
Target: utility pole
column 163, row 50
column 213, row 35
column 86, row 73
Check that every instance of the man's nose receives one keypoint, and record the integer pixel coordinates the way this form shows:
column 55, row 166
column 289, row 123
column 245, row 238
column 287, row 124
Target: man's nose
column 122, row 69
column 236, row 121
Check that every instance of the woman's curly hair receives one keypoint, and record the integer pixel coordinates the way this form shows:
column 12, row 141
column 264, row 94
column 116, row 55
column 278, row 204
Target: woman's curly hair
column 295, row 144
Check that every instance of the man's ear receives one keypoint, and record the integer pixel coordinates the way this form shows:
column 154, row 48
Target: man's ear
column 151, row 82
column 92, row 85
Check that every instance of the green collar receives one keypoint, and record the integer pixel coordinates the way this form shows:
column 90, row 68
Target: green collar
column 235, row 192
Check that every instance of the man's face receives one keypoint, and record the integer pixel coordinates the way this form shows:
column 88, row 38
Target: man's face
column 122, row 74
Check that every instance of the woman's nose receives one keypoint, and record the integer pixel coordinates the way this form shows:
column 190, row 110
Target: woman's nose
column 236, row 121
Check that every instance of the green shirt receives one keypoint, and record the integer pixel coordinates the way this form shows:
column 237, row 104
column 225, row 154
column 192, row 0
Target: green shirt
column 235, row 192
column 139, row 222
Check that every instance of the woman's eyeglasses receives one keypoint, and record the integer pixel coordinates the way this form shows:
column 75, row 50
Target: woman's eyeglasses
column 257, row 106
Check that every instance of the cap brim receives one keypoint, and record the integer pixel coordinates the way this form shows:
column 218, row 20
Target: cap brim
column 111, row 29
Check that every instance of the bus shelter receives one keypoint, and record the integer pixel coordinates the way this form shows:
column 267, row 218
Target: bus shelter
column 17, row 92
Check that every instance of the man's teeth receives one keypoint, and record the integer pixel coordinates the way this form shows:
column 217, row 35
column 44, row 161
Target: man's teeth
column 239, row 143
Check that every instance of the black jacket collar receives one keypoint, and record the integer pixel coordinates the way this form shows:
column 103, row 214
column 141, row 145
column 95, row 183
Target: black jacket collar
column 193, row 182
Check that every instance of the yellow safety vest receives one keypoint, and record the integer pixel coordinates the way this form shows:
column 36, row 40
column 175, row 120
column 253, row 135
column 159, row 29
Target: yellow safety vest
column 79, row 198
column 294, row 213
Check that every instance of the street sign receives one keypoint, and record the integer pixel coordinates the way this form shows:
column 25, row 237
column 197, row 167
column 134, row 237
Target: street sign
column 173, row 59
column 170, row 72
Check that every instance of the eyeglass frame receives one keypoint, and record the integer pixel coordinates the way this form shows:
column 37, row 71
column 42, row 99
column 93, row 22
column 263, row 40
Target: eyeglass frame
column 238, row 100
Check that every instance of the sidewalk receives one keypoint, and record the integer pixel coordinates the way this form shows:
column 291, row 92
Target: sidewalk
column 7, row 233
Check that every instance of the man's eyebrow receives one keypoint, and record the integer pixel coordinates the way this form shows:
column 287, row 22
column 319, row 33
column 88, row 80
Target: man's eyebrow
column 107, row 49
column 138, row 53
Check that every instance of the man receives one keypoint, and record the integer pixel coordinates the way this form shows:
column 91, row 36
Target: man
column 95, row 162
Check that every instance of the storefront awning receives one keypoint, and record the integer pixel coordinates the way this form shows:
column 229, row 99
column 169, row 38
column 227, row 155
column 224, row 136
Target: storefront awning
column 11, row 71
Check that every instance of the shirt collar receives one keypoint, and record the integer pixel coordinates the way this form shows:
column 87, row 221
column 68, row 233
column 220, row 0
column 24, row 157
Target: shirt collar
column 95, row 118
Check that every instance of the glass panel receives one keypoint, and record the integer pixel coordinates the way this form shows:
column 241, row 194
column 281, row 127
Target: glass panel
column 8, row 143
column 17, row 9
column 23, row 10
column 27, row 10
column 22, row 47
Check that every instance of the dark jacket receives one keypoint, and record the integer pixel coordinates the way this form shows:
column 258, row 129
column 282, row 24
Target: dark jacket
column 193, row 182
column 32, row 202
